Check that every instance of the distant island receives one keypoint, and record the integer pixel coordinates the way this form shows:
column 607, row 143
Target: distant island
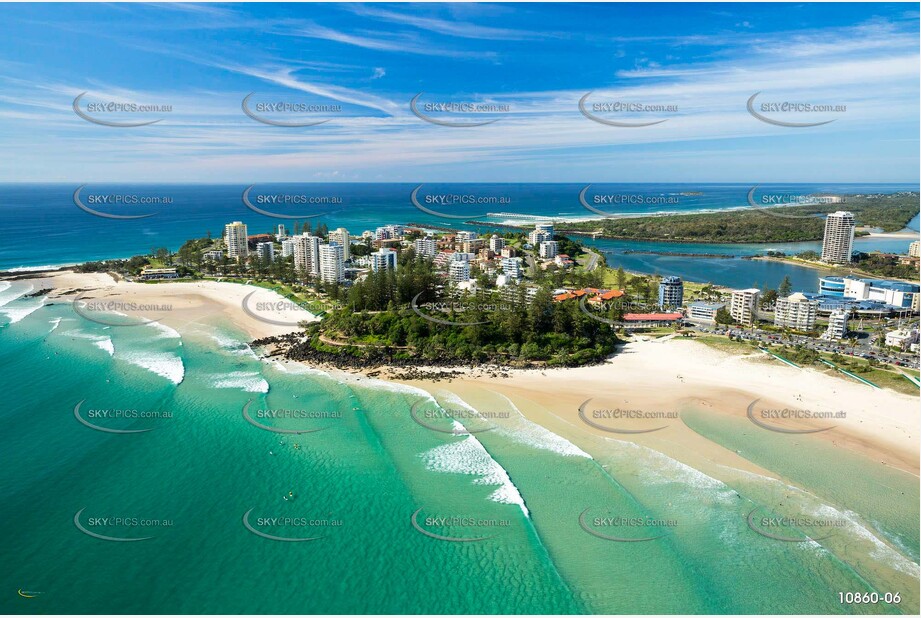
column 889, row 213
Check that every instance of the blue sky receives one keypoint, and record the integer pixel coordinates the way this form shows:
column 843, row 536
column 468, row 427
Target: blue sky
column 533, row 62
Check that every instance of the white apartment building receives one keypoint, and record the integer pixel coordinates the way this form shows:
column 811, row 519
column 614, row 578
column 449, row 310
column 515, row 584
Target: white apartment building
column 546, row 228
column 341, row 237
column 385, row 259
column 426, row 247
column 459, row 272
column 512, row 268
column 795, row 311
column 704, row 312
column 388, row 232
column 837, row 325
column 549, row 249
column 307, row 254
column 235, row 240
column 535, row 237
column 215, row 255
column 744, row 305
column 266, row 251
column 914, row 249
column 902, row 338
column 282, row 233
column 463, row 235
column 287, row 247
column 838, row 241
column 496, row 243
column 332, row 264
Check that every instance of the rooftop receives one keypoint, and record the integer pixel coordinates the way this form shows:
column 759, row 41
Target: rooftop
column 652, row 317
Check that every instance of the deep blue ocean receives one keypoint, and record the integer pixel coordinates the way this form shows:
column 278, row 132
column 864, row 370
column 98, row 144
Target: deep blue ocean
column 42, row 225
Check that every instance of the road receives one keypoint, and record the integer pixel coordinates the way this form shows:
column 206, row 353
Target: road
column 592, row 261
column 819, row 345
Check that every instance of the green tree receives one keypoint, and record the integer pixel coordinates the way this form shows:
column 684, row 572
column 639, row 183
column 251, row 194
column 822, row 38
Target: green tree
column 621, row 277
column 723, row 316
column 785, row 287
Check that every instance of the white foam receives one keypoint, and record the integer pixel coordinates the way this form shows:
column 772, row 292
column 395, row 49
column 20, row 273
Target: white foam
column 165, row 331
column 468, row 456
column 164, row 364
column 296, row 368
column 8, row 293
column 22, row 310
column 249, row 381
column 54, row 324
column 23, row 269
column 812, row 505
column 881, row 551
column 382, row 385
column 106, row 344
column 531, row 434
column 663, row 470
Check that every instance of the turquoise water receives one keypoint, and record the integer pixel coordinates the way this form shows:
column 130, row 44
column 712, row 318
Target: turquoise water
column 353, row 484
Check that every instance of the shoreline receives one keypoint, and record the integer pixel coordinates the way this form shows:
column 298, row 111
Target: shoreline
column 722, row 385
column 175, row 304
column 645, row 374
column 829, row 270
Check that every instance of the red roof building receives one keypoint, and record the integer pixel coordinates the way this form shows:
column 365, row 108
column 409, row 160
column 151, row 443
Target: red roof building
column 652, row 317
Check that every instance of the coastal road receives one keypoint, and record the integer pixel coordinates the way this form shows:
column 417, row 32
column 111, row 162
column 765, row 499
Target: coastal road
column 819, row 345
column 592, row 261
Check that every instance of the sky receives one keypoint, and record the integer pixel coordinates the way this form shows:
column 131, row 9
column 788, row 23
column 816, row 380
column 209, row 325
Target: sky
column 355, row 68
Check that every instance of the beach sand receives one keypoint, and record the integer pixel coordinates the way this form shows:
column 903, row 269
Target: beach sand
column 675, row 375
column 177, row 304
column 665, row 376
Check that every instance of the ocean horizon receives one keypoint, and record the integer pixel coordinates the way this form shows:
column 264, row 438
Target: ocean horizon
column 47, row 212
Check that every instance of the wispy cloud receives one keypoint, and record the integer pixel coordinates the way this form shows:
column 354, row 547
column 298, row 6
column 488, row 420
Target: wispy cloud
column 447, row 27
column 401, row 43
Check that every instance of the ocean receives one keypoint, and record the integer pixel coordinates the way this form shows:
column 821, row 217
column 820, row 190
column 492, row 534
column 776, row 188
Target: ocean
column 42, row 225
column 209, row 508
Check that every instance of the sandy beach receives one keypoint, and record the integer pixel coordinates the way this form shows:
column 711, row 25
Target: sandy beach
column 659, row 377
column 671, row 376
column 256, row 311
